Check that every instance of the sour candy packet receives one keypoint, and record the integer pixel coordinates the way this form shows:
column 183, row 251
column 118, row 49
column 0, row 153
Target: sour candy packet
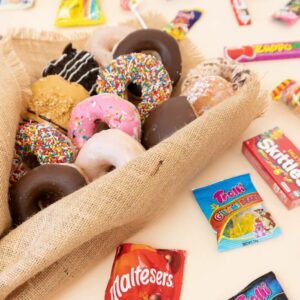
column 79, row 13
column 15, row 4
column 140, row 272
column 236, row 213
column 265, row 287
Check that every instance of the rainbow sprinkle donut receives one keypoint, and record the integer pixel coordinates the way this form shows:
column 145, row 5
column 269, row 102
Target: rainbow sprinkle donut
column 44, row 142
column 141, row 69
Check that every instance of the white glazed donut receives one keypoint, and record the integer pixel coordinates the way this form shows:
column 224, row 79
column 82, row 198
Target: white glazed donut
column 111, row 148
column 102, row 42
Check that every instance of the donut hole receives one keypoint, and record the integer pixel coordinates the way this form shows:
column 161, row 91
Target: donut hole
column 134, row 91
column 100, row 126
column 46, row 198
column 31, row 161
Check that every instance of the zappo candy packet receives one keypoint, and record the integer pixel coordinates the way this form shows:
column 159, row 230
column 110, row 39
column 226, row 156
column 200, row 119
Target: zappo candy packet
column 236, row 213
column 79, row 13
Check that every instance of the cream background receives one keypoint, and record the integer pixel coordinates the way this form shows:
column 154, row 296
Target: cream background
column 209, row 275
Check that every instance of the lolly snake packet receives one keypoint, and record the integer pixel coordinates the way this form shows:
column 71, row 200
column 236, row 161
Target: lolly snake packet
column 236, row 213
column 265, row 287
column 140, row 272
column 79, row 13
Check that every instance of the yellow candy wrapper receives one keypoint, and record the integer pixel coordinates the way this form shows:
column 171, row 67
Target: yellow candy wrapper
column 79, row 13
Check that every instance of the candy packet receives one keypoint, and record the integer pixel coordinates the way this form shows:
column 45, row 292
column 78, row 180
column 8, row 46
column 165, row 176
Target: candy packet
column 277, row 160
column 141, row 272
column 290, row 13
column 15, row 4
column 265, row 287
column 260, row 52
column 183, row 22
column 288, row 91
column 236, row 213
column 79, row 13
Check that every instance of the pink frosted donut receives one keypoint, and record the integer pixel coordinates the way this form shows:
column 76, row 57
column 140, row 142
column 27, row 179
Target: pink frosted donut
column 108, row 109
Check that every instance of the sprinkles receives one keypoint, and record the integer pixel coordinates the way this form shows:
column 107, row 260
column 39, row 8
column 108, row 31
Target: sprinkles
column 47, row 144
column 143, row 70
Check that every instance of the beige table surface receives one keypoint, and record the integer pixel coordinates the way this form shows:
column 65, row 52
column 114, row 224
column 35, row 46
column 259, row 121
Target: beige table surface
column 209, row 275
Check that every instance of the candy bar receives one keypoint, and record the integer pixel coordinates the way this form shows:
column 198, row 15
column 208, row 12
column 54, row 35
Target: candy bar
column 141, row 272
column 277, row 160
column 241, row 12
column 259, row 52
column 236, row 213
column 263, row 288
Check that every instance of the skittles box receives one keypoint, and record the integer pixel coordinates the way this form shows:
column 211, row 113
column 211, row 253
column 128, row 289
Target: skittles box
column 277, row 160
column 236, row 213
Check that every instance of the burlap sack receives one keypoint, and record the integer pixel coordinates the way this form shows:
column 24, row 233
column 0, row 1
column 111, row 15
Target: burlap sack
column 64, row 240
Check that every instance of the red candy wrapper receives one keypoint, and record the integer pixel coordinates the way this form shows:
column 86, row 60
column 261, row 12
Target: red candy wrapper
column 140, row 272
column 241, row 12
column 277, row 160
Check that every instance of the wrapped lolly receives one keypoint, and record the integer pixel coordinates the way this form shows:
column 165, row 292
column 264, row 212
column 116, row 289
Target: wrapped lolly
column 290, row 13
column 241, row 12
column 288, row 91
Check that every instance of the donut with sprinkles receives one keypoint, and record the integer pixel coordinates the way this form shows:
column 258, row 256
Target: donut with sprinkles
column 143, row 70
column 39, row 144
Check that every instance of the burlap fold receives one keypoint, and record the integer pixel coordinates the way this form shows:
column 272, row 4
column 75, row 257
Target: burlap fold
column 64, row 240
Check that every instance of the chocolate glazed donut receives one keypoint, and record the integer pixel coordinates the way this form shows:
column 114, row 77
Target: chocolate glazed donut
column 42, row 187
column 153, row 40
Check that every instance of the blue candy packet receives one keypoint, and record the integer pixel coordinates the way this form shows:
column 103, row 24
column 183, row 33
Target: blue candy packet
column 236, row 213
column 265, row 287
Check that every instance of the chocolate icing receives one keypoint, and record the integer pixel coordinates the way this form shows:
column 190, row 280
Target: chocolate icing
column 75, row 66
column 42, row 187
column 166, row 119
column 155, row 40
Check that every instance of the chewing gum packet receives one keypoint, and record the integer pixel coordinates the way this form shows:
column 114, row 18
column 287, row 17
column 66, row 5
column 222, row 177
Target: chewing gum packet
column 236, row 213
column 15, row 4
column 79, row 13
column 265, row 287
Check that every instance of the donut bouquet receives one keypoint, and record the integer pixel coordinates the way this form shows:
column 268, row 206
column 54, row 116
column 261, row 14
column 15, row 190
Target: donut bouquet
column 112, row 131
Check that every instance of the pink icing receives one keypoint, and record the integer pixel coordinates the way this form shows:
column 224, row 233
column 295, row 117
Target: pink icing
column 114, row 111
